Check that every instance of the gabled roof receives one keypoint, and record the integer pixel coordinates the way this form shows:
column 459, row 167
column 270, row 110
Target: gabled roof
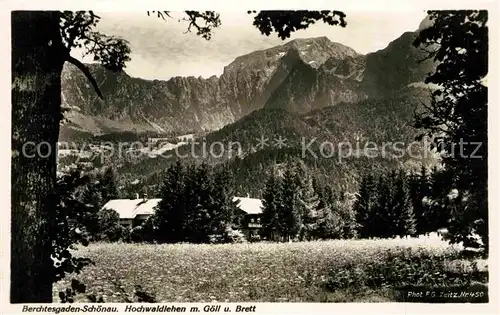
column 130, row 208
column 249, row 205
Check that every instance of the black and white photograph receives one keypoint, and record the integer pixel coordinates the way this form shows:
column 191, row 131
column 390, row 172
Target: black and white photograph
column 236, row 157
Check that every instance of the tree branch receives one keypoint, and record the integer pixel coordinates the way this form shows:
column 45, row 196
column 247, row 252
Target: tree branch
column 86, row 72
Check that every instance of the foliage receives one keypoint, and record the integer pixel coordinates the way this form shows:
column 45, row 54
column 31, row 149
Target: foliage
column 144, row 232
column 420, row 189
column 365, row 206
column 384, row 216
column 68, row 225
column 405, row 268
column 286, row 22
column 109, row 226
column 228, row 236
column 108, row 185
column 385, row 208
column 197, row 205
column 77, row 31
column 456, row 119
column 406, row 223
column 271, row 205
column 290, row 214
column 143, row 295
column 81, row 203
column 309, row 205
column 296, row 206
column 68, row 296
column 343, row 208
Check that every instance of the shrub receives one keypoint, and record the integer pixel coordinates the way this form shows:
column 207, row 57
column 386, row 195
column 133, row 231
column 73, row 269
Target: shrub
column 403, row 268
column 136, row 234
column 229, row 236
column 144, row 232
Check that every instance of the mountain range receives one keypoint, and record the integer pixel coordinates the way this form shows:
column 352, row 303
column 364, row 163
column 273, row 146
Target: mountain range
column 299, row 76
column 309, row 88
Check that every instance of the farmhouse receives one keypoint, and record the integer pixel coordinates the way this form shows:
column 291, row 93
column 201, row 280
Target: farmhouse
column 250, row 214
column 133, row 212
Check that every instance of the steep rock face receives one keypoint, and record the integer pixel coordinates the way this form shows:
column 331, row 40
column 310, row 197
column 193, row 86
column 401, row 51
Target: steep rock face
column 182, row 104
column 352, row 78
column 307, row 88
column 299, row 76
column 394, row 67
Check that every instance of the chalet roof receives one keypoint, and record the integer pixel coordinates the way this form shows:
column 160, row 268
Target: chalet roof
column 130, row 208
column 249, row 205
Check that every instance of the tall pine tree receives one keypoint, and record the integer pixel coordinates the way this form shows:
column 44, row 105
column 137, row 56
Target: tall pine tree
column 365, row 206
column 290, row 213
column 222, row 205
column 272, row 203
column 170, row 214
column 309, row 202
column 403, row 207
column 109, row 185
column 420, row 192
column 384, row 218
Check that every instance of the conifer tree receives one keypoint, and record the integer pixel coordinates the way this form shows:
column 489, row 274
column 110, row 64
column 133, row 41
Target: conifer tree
column 215, row 208
column 440, row 210
column 458, row 113
column 272, row 203
column 403, row 208
column 109, row 227
column 309, row 202
column 425, row 191
column 197, row 197
column 109, row 185
column 170, row 214
column 328, row 224
column 420, row 191
column 92, row 198
column 344, row 207
column 223, row 206
column 384, row 219
column 290, row 213
column 365, row 206
column 418, row 202
column 197, row 205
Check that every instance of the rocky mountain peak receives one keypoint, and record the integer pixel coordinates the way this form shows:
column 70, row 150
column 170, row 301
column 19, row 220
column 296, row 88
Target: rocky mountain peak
column 315, row 51
column 299, row 76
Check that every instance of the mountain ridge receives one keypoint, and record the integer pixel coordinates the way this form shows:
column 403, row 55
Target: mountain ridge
column 299, row 76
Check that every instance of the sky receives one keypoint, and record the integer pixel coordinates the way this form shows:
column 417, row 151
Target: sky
column 162, row 49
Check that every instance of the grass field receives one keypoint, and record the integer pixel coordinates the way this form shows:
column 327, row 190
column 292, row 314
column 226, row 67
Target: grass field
column 329, row 271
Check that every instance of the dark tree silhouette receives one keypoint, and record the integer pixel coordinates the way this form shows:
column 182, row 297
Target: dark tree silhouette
column 384, row 217
column 41, row 43
column 290, row 214
column 365, row 206
column 271, row 204
column 457, row 116
column 109, row 185
column 286, row 22
column 170, row 213
column 403, row 207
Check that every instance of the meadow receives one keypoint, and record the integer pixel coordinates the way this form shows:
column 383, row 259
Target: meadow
column 323, row 271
